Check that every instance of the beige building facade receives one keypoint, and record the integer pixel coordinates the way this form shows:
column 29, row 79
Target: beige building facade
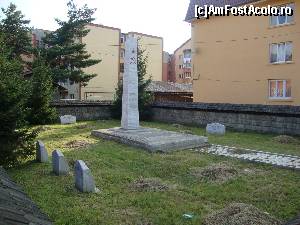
column 182, row 63
column 153, row 47
column 102, row 43
column 108, row 44
column 247, row 60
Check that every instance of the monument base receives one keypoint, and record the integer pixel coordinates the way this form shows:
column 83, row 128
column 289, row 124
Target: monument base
column 151, row 139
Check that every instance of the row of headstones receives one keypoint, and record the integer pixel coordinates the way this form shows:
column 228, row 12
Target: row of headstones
column 84, row 180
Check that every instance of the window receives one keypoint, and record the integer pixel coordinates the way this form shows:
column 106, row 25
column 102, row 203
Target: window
column 122, row 53
column 123, row 38
column 180, row 57
column 283, row 19
column 281, row 52
column 72, row 96
column 188, row 75
column 121, row 67
column 280, row 89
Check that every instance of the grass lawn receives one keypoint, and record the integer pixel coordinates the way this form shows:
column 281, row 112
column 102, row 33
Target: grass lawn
column 115, row 168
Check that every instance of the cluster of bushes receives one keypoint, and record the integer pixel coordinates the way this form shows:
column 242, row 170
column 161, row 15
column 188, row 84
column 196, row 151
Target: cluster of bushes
column 25, row 101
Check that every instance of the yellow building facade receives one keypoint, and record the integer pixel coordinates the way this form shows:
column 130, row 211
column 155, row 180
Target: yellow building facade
column 153, row 47
column 107, row 44
column 102, row 43
column 247, row 59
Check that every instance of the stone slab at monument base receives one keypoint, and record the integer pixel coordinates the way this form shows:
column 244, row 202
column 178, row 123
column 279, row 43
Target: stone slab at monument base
column 152, row 139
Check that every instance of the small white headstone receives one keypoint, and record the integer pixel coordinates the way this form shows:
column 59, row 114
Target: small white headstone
column 215, row 128
column 67, row 119
column 41, row 152
column 84, row 180
column 59, row 163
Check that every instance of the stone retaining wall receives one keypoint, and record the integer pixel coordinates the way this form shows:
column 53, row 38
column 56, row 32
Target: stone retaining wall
column 84, row 110
column 259, row 118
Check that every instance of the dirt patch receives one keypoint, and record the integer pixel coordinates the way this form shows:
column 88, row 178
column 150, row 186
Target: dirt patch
column 149, row 184
column 216, row 173
column 285, row 139
column 77, row 144
column 240, row 214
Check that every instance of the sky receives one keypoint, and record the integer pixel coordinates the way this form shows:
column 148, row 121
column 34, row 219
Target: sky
column 164, row 18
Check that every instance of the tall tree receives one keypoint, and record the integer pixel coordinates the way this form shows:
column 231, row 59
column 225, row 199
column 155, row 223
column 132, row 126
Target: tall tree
column 145, row 98
column 41, row 95
column 15, row 31
column 15, row 137
column 66, row 55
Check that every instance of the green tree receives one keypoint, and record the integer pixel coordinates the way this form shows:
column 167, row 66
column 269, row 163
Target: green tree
column 15, row 138
column 145, row 98
column 66, row 55
column 41, row 95
column 15, row 31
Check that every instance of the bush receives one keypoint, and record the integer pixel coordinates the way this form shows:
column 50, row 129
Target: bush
column 17, row 142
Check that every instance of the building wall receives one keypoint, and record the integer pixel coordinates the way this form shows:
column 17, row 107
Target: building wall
column 102, row 43
column 231, row 58
column 181, row 74
column 166, row 74
column 154, row 49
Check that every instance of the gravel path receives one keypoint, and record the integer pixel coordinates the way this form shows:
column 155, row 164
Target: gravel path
column 280, row 160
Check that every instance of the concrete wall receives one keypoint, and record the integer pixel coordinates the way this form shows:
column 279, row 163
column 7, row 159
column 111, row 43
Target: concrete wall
column 231, row 58
column 102, row 43
column 259, row 118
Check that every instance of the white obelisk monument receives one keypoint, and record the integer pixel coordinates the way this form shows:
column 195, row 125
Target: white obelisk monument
column 130, row 109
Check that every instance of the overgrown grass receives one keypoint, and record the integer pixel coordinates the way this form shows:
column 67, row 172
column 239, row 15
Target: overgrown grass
column 116, row 167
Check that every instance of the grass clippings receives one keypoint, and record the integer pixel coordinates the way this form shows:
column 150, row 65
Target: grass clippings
column 77, row 144
column 240, row 214
column 285, row 139
column 149, row 184
column 216, row 173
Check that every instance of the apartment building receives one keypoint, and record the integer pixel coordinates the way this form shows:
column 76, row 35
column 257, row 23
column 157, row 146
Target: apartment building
column 246, row 59
column 103, row 43
column 153, row 46
column 108, row 44
column 181, row 63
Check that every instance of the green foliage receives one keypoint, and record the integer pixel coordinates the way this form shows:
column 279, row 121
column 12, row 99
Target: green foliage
column 15, row 31
column 41, row 95
column 67, row 56
column 15, row 138
column 116, row 167
column 145, row 98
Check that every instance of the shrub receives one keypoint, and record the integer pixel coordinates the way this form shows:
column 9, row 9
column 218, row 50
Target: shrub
column 17, row 142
